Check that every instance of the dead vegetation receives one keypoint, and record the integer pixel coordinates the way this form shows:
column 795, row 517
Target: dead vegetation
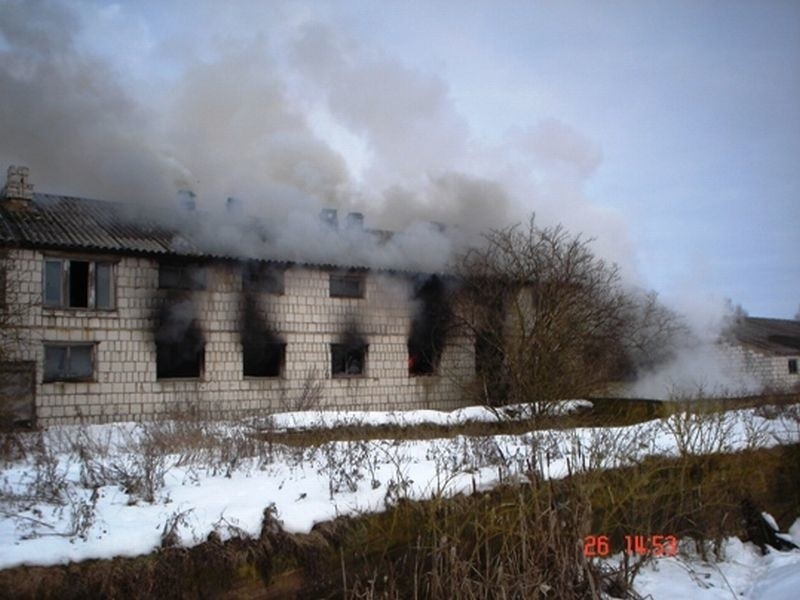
column 551, row 320
column 516, row 541
column 523, row 539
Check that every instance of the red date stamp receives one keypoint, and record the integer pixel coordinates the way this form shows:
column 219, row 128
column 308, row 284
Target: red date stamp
column 656, row 545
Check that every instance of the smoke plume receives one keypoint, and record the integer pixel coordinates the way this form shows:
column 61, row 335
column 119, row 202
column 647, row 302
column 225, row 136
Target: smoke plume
column 295, row 118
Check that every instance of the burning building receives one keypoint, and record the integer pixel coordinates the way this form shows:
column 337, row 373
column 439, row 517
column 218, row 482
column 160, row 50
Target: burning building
column 108, row 317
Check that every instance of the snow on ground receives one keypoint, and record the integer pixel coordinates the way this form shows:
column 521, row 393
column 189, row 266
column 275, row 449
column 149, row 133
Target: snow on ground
column 82, row 492
column 742, row 573
column 322, row 419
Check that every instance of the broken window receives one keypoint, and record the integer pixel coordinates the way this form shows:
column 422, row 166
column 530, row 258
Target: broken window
column 262, row 277
column 347, row 284
column 72, row 283
column 348, row 360
column 265, row 359
column 78, row 272
column 793, row 366
column 180, row 346
column 188, row 276
column 68, row 362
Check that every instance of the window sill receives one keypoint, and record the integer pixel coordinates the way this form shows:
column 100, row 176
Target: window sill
column 72, row 310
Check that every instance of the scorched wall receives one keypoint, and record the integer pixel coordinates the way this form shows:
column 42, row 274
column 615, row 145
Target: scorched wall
column 124, row 384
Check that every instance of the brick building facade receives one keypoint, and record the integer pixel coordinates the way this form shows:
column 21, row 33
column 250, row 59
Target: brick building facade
column 105, row 321
column 767, row 349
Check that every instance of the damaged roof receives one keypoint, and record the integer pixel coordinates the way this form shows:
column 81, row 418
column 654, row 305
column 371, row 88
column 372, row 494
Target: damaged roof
column 59, row 222
column 776, row 336
column 54, row 221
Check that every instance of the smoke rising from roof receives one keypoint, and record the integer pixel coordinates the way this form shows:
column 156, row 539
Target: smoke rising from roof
column 245, row 116
column 287, row 113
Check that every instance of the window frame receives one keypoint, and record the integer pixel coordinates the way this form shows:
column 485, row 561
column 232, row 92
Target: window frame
column 364, row 349
column 69, row 346
column 188, row 279
column 63, row 283
column 351, row 275
column 792, row 366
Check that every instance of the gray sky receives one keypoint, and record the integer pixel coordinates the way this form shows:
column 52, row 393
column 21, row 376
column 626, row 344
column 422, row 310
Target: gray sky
column 668, row 131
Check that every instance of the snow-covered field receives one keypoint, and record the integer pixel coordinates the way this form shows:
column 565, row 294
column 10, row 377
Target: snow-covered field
column 743, row 573
column 104, row 491
column 327, row 419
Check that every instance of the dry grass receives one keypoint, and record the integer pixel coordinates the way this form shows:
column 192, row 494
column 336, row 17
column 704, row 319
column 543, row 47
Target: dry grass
column 521, row 540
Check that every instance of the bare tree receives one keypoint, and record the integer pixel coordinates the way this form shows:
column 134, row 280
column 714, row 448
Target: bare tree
column 551, row 320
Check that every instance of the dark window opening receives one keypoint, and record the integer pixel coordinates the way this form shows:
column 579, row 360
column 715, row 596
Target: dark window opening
column 264, row 359
column 68, row 363
column 347, row 360
column 175, row 360
column 792, row 366
column 180, row 346
column 484, row 357
column 263, row 277
column 79, row 284
column 181, row 276
column 419, row 363
column 348, row 284
column 429, row 326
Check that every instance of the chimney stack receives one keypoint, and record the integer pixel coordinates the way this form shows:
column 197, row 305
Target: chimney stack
column 186, row 200
column 18, row 190
column 355, row 220
column 329, row 217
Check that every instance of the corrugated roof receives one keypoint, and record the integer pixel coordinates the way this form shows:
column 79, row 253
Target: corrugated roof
column 70, row 223
column 776, row 336
column 79, row 223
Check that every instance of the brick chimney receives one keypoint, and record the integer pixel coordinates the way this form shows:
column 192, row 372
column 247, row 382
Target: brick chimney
column 186, row 200
column 329, row 217
column 18, row 191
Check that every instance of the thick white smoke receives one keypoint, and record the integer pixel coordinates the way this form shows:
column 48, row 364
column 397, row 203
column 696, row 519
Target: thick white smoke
column 289, row 114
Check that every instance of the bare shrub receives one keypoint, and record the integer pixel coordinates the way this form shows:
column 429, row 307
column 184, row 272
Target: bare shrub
column 699, row 432
column 309, row 396
column 551, row 321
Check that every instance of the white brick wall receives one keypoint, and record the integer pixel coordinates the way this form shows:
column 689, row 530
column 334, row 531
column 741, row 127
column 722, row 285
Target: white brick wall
column 125, row 384
column 771, row 370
